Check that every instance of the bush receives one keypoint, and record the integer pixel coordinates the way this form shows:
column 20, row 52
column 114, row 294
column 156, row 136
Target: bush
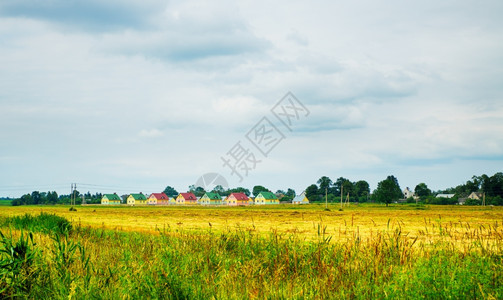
column 48, row 223
column 473, row 202
column 494, row 200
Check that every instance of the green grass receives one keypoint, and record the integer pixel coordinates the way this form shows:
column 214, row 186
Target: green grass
column 83, row 262
column 5, row 202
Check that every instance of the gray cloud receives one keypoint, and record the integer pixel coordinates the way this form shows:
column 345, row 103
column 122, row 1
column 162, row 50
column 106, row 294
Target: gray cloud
column 132, row 89
column 85, row 15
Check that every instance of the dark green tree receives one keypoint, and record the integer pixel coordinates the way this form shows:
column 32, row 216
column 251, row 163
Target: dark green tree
column 346, row 185
column 388, row 191
column 197, row 191
column 324, row 183
column 492, row 186
column 52, row 197
column 362, row 190
column 170, row 192
column 258, row 188
column 290, row 193
column 312, row 192
column 36, row 198
column 220, row 190
column 422, row 190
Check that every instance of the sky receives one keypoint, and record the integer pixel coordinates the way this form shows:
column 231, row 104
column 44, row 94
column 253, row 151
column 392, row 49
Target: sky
column 133, row 96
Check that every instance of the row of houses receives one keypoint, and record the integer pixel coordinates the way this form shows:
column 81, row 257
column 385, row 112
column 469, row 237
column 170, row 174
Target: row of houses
column 234, row 199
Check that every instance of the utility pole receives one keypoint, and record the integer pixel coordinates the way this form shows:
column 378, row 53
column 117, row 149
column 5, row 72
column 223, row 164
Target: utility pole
column 342, row 188
column 71, row 195
column 326, row 198
column 484, row 199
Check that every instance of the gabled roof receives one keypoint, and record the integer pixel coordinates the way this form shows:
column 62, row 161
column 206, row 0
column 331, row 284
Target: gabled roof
column 476, row 194
column 112, row 197
column 188, row 196
column 445, row 195
column 138, row 196
column 213, row 196
column 240, row 196
column 268, row 195
column 159, row 196
column 300, row 197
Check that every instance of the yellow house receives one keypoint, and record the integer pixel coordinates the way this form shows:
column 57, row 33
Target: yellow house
column 238, row 199
column 264, row 198
column 300, row 199
column 136, row 199
column 110, row 199
column 186, row 199
column 158, row 199
column 210, row 199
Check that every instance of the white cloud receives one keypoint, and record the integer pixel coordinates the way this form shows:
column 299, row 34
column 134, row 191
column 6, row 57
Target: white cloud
column 411, row 89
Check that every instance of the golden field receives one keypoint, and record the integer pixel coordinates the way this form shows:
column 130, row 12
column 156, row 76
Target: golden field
column 425, row 222
column 261, row 252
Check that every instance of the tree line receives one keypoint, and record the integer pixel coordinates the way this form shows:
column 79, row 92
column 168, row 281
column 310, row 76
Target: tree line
column 325, row 189
column 52, row 197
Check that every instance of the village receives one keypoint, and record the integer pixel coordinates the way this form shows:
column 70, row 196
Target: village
column 209, row 198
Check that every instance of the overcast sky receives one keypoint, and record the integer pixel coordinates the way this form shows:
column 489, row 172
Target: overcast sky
column 129, row 96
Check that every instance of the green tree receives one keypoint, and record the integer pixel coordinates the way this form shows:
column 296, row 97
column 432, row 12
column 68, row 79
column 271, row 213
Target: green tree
column 422, row 190
column 220, row 190
column 36, row 198
column 52, row 197
column 362, row 190
column 324, row 183
column 197, row 191
column 290, row 193
column 312, row 192
column 170, row 192
column 492, row 186
column 388, row 190
column 258, row 188
column 345, row 184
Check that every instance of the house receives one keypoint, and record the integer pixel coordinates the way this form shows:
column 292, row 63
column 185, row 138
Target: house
column 266, row 198
column 407, row 193
column 110, row 199
column 210, row 199
column 475, row 196
column 136, row 199
column 448, row 196
column 186, row 199
column 238, row 199
column 300, row 199
column 158, row 199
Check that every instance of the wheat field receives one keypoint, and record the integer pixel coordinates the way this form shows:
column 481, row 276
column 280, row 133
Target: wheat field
column 277, row 252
